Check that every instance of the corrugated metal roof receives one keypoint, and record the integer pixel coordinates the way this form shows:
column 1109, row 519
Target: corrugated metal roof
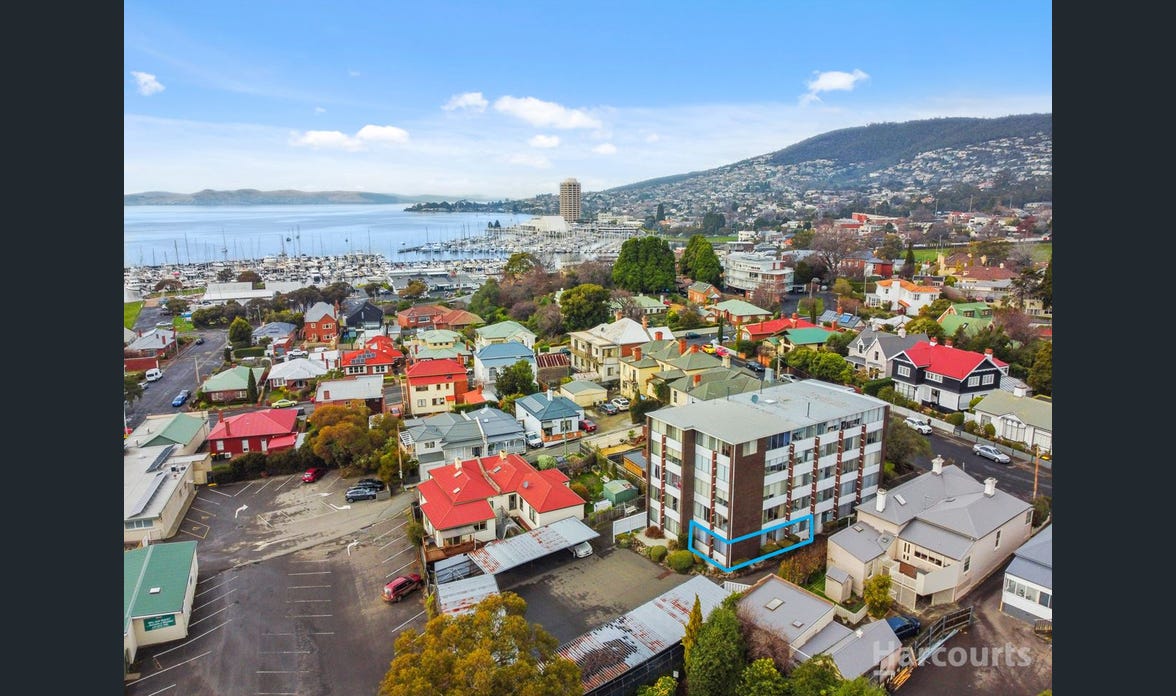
column 461, row 596
column 607, row 652
column 499, row 556
column 165, row 566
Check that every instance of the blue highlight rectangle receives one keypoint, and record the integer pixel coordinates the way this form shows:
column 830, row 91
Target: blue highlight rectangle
column 757, row 559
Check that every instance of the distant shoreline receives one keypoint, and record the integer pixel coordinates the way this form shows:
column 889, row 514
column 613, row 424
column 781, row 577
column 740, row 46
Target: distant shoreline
column 210, row 197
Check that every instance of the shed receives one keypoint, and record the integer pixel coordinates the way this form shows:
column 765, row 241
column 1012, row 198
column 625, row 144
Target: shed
column 618, row 491
column 584, row 392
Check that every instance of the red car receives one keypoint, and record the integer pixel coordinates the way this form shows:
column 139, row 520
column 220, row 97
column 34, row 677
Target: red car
column 313, row 474
column 587, row 425
column 398, row 588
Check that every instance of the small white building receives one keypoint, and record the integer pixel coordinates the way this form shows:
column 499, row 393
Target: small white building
column 159, row 584
column 1028, row 581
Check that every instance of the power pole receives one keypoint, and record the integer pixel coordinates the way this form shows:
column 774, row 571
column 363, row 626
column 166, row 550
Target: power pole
column 1034, row 471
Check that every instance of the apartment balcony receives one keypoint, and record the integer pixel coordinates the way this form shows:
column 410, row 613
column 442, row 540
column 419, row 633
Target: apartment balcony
column 921, row 581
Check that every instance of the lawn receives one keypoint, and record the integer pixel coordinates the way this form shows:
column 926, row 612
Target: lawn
column 592, row 482
column 131, row 313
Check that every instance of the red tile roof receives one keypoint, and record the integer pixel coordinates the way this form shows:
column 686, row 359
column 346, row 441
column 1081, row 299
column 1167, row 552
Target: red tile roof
column 370, row 356
column 443, row 508
column 270, row 421
column 543, row 490
column 383, row 343
column 446, row 367
column 423, row 310
column 774, row 326
column 952, row 362
column 459, row 317
column 552, row 360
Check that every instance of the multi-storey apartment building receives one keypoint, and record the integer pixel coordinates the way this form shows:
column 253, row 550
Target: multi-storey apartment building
column 747, row 272
column 569, row 200
column 754, row 461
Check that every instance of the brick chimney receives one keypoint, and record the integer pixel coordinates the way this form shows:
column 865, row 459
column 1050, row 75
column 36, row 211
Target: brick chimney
column 697, row 379
column 644, row 321
column 617, row 315
column 947, row 342
column 657, row 335
column 637, row 354
column 727, row 359
column 932, row 340
column 694, row 348
column 795, row 318
column 681, row 346
column 457, row 463
column 988, row 353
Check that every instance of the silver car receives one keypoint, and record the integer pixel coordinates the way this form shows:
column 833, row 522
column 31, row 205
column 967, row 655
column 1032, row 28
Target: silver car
column 990, row 452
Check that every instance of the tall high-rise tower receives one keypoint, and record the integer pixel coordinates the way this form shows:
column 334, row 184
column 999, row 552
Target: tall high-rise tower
column 569, row 200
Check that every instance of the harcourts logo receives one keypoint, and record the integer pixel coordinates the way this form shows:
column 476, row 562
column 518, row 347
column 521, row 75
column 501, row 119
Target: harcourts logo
column 976, row 656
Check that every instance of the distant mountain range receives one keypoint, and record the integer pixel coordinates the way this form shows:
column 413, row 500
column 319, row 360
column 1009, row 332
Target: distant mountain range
column 255, row 197
column 944, row 158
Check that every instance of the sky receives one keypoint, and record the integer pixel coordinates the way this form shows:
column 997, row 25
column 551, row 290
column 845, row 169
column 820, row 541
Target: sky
column 494, row 100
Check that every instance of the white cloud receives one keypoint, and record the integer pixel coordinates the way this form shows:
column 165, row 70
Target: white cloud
column 382, row 134
column 652, row 138
column 469, row 100
column 831, row 81
column 148, row 85
column 353, row 73
column 319, row 110
column 544, row 141
column 334, row 140
column 528, row 159
column 545, row 114
column 605, row 149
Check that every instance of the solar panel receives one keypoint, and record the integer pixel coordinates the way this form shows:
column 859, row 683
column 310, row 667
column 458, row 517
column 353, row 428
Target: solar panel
column 161, row 458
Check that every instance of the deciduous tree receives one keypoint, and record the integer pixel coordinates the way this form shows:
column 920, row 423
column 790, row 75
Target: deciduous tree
column 240, row 332
column 903, row 444
column 584, row 306
column 516, row 379
column 493, row 651
column 876, row 591
column 761, row 678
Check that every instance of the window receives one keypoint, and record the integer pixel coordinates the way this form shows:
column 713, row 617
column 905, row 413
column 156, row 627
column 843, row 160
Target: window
column 1045, row 599
column 997, row 546
column 245, row 445
column 974, row 381
column 967, row 563
column 749, row 447
column 904, row 371
column 480, row 527
column 1028, row 517
column 933, row 377
column 989, row 378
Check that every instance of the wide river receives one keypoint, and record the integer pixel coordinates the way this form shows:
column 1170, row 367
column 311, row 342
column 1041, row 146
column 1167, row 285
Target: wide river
column 161, row 234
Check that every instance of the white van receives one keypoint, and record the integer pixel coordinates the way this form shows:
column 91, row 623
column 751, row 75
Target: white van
column 154, row 374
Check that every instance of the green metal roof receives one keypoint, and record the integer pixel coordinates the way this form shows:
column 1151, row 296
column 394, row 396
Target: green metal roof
column 578, row 386
column 972, row 325
column 1030, row 411
column 434, row 336
column 180, row 430
column 961, row 307
column 503, row 329
column 808, row 336
column 234, row 378
column 740, row 308
column 166, row 566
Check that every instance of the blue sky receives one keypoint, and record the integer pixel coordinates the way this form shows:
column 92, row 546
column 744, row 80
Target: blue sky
column 506, row 99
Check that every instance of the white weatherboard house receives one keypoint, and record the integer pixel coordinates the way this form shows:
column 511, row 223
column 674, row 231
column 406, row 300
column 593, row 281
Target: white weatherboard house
column 937, row 536
column 556, row 418
column 159, row 584
column 1028, row 581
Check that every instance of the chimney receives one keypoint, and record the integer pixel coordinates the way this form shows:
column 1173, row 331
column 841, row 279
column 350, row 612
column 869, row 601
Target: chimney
column 937, row 465
column 644, row 321
column 681, row 346
column 502, row 455
column 933, row 341
column 550, row 394
column 947, row 342
column 457, row 463
column 326, row 395
column 697, row 379
column 988, row 353
column 657, row 335
column 880, row 501
column 795, row 317
column 617, row 315
column 727, row 359
column 637, row 354
column 990, row 486
column 902, row 332
column 694, row 348
column 1019, row 390
column 162, row 340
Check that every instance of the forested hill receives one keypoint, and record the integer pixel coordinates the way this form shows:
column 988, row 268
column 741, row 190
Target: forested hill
column 256, row 197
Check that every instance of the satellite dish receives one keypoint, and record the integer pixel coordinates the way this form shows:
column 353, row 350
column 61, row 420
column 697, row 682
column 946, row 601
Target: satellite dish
column 754, row 398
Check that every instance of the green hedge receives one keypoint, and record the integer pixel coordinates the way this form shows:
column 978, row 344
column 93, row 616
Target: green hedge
column 680, row 561
column 252, row 352
column 657, row 553
column 871, row 387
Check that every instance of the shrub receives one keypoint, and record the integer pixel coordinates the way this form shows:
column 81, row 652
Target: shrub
column 989, row 430
column 251, row 352
column 680, row 561
column 580, row 490
column 221, row 474
column 654, row 532
column 624, row 540
column 657, row 553
column 872, row 387
column 672, row 544
column 956, row 419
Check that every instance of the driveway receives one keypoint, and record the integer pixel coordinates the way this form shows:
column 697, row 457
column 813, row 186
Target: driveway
column 997, row 654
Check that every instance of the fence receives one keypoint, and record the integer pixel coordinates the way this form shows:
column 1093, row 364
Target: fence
column 626, row 684
column 630, row 523
column 927, row 642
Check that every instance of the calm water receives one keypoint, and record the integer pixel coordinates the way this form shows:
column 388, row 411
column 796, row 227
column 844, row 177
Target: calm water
column 155, row 235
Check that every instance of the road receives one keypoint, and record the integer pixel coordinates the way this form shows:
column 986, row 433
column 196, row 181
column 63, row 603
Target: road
column 1016, row 479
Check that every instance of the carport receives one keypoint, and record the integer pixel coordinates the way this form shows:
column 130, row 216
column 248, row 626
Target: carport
column 498, row 556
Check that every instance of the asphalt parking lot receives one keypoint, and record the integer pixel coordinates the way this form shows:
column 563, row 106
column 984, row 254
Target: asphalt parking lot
column 287, row 597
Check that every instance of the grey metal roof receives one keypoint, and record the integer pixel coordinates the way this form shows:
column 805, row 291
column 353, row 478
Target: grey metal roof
column 495, row 422
column 274, row 329
column 609, row 651
column 578, row 386
column 856, row 655
column 823, row 640
column 936, row 539
column 505, row 351
column 1034, row 560
column 777, row 408
column 975, row 515
column 461, row 596
column 546, row 408
column 862, row 541
column 797, row 606
column 498, row 556
column 836, row 574
column 922, row 492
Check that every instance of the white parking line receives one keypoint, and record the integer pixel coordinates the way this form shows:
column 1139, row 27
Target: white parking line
column 247, row 487
column 213, row 490
column 231, row 577
column 215, row 599
column 300, row 601
column 399, row 569
column 263, row 487
column 288, row 480
column 408, row 622
column 193, row 623
column 192, row 640
column 284, row 652
column 282, row 671
column 156, row 674
column 206, row 512
column 309, row 616
column 410, row 548
column 323, row 633
column 310, row 560
column 161, row 690
column 390, row 531
column 305, row 587
column 313, row 572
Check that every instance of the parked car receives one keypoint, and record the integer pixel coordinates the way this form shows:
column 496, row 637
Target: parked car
column 371, row 483
column 296, row 353
column 708, row 348
column 181, row 398
column 755, row 367
column 153, row 374
column 621, row 403
column 690, row 334
column 401, row 586
column 534, row 440
column 608, row 409
column 199, row 340
column 313, row 474
column 587, row 425
column 918, row 424
column 359, row 493
column 284, row 403
column 904, row 626
column 582, row 549
column 990, row 452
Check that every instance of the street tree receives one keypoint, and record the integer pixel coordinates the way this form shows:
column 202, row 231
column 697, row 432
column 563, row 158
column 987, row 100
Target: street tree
column 335, row 293
column 1040, row 377
column 132, row 390
column 240, row 332
column 718, row 656
column 761, row 678
column 584, row 306
column 492, row 651
column 371, row 289
column 516, row 379
column 176, row 305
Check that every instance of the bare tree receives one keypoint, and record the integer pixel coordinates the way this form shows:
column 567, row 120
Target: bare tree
column 832, row 246
column 761, row 642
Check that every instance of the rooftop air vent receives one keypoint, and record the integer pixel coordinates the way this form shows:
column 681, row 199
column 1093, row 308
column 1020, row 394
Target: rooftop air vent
column 798, row 623
column 496, row 470
column 950, row 500
column 857, row 528
column 457, row 490
column 774, row 604
column 901, row 500
column 155, row 590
